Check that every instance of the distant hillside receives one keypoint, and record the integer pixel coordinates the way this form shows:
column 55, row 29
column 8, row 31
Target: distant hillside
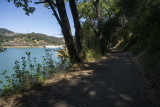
column 31, row 39
column 5, row 32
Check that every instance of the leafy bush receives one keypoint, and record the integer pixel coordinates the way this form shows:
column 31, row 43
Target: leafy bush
column 31, row 73
column 64, row 58
column 143, row 21
column 92, row 55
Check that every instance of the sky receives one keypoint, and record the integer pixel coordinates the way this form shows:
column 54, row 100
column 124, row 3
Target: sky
column 41, row 21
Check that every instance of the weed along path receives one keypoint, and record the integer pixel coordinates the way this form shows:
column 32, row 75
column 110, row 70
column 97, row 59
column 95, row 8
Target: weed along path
column 111, row 82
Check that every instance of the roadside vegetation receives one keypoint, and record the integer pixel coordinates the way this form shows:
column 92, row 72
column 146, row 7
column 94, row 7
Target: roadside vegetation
column 28, row 74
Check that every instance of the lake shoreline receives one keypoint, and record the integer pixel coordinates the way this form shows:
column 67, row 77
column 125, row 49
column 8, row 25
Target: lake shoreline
column 46, row 46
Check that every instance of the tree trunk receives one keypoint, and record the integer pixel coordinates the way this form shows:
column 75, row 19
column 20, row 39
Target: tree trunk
column 100, row 36
column 78, row 30
column 66, row 30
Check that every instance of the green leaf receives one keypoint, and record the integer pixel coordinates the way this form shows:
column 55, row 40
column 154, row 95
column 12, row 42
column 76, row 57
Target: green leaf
column 3, row 73
column 1, row 82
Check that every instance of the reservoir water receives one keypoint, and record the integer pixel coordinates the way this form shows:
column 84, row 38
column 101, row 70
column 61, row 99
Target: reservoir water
column 8, row 58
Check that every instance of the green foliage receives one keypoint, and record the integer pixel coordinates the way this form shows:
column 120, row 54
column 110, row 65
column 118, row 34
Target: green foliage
column 142, row 29
column 64, row 59
column 108, row 10
column 128, row 7
column 92, row 55
column 90, row 39
column 87, row 11
column 25, row 5
column 90, row 42
column 28, row 74
column 108, row 30
column 145, row 26
column 33, row 36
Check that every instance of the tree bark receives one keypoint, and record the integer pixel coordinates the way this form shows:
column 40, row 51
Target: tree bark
column 100, row 36
column 78, row 30
column 66, row 30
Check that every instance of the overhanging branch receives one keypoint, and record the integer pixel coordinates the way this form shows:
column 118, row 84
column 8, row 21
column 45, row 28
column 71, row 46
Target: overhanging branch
column 40, row 2
column 52, row 4
column 54, row 12
column 46, row 1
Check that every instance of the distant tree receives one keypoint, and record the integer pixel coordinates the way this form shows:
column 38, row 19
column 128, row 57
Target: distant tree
column 100, row 24
column 110, row 27
column 95, row 13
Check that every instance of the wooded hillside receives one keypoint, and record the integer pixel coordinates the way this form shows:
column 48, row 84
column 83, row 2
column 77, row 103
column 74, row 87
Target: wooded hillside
column 10, row 38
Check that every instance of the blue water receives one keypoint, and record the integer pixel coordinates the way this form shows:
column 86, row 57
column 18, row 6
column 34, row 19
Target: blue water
column 8, row 58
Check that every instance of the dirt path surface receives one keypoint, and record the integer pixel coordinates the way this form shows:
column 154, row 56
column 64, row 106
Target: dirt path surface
column 111, row 82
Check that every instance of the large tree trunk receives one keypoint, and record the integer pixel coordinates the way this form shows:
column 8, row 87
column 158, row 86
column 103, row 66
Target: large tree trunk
column 78, row 30
column 100, row 36
column 66, row 30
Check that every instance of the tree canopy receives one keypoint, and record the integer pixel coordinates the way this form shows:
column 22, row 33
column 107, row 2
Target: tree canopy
column 102, row 23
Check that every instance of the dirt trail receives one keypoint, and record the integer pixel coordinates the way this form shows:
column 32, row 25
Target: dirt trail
column 111, row 82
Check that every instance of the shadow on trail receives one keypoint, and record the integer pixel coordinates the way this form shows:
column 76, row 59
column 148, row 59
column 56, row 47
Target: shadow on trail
column 108, row 83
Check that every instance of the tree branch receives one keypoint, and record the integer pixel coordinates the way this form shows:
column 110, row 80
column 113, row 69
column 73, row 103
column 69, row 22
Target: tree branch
column 54, row 12
column 45, row 2
column 53, row 3
column 40, row 2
